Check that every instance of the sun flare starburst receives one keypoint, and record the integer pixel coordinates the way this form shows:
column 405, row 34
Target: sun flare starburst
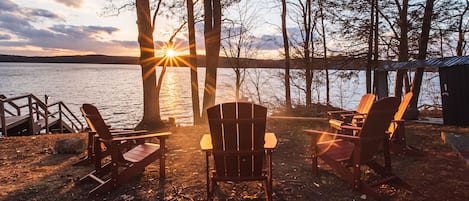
column 170, row 52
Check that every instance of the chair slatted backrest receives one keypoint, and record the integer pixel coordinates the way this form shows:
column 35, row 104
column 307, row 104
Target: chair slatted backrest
column 365, row 104
column 237, row 131
column 377, row 122
column 88, row 121
column 94, row 118
column 401, row 111
column 403, row 106
column 96, row 121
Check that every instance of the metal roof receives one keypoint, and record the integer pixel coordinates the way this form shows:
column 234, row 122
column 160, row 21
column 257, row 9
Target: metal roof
column 429, row 63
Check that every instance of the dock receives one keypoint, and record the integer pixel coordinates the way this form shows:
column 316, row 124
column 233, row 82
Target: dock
column 28, row 115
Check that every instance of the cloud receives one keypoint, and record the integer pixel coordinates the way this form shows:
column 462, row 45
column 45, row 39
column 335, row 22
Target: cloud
column 125, row 43
column 18, row 23
column 82, row 31
column 5, row 37
column 40, row 13
column 71, row 3
column 7, row 5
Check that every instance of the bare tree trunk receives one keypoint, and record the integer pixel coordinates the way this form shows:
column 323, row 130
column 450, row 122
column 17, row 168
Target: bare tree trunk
column 369, row 54
column 193, row 62
column 326, row 67
column 381, row 81
column 286, row 47
column 306, row 52
column 461, row 31
column 151, row 106
column 238, row 82
column 403, row 46
column 212, row 29
column 412, row 112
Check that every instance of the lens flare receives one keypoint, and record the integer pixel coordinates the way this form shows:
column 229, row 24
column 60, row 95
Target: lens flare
column 170, row 52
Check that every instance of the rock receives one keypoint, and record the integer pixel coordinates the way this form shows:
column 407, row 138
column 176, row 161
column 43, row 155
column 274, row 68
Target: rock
column 73, row 145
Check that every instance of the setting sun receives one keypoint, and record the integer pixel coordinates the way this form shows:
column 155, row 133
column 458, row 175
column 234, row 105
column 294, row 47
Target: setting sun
column 170, row 52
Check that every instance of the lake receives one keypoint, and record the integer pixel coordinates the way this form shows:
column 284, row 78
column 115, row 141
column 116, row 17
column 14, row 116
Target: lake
column 116, row 89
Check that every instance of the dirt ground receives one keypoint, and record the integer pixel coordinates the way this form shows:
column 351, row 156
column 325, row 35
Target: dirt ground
column 29, row 170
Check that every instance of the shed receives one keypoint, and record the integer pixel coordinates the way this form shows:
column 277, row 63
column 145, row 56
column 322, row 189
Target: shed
column 454, row 84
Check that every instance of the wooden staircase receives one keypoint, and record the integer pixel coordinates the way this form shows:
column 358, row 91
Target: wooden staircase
column 28, row 115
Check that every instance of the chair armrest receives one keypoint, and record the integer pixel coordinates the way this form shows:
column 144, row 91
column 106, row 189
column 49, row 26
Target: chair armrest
column 352, row 115
column 317, row 132
column 350, row 127
column 270, row 141
column 269, row 138
column 126, row 132
column 206, row 142
column 340, row 112
column 136, row 137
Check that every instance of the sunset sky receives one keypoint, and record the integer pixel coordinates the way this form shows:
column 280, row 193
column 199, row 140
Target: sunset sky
column 78, row 27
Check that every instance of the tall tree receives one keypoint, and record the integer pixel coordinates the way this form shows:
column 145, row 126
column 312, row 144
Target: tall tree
column 326, row 66
column 193, row 62
column 403, row 45
column 462, row 29
column 286, row 47
column 412, row 111
column 302, row 14
column 151, row 108
column 237, row 42
column 369, row 54
column 212, row 29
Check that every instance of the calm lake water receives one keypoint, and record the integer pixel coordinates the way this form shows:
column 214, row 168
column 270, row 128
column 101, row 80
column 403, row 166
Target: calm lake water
column 117, row 89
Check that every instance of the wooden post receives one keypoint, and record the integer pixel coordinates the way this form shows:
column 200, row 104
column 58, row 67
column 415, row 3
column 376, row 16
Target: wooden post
column 2, row 119
column 31, row 116
column 46, row 117
column 60, row 118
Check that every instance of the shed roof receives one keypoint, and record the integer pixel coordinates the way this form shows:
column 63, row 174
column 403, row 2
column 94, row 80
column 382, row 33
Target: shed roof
column 429, row 63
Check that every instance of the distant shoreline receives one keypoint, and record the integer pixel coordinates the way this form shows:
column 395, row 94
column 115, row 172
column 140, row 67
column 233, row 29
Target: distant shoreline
column 339, row 63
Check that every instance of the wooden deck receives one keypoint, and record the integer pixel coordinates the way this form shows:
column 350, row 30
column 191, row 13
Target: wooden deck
column 29, row 119
column 13, row 121
column 22, row 121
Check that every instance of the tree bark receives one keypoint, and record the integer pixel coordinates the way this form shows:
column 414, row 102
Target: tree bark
column 326, row 66
column 306, row 52
column 212, row 29
column 286, row 47
column 403, row 47
column 151, row 105
column 193, row 62
column 412, row 112
column 380, row 77
column 369, row 55
column 461, row 32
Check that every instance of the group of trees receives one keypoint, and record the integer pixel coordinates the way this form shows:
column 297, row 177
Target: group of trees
column 370, row 29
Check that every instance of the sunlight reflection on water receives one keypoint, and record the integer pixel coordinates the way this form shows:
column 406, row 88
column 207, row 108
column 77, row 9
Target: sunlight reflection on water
column 117, row 89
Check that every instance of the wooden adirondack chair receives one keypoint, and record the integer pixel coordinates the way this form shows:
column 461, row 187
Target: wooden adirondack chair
column 339, row 118
column 125, row 162
column 241, row 149
column 347, row 154
column 396, row 130
column 95, row 149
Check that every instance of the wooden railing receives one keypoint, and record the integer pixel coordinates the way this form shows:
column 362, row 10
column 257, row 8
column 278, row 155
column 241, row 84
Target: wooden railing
column 36, row 109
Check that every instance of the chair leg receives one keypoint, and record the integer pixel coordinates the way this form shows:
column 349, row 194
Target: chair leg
column 207, row 169
column 314, row 155
column 89, row 157
column 268, row 183
column 162, row 158
column 268, row 189
column 315, row 166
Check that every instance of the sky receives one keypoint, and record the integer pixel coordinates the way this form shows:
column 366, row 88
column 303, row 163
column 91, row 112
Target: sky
column 78, row 27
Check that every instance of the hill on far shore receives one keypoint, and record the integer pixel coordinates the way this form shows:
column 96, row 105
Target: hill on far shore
column 338, row 62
